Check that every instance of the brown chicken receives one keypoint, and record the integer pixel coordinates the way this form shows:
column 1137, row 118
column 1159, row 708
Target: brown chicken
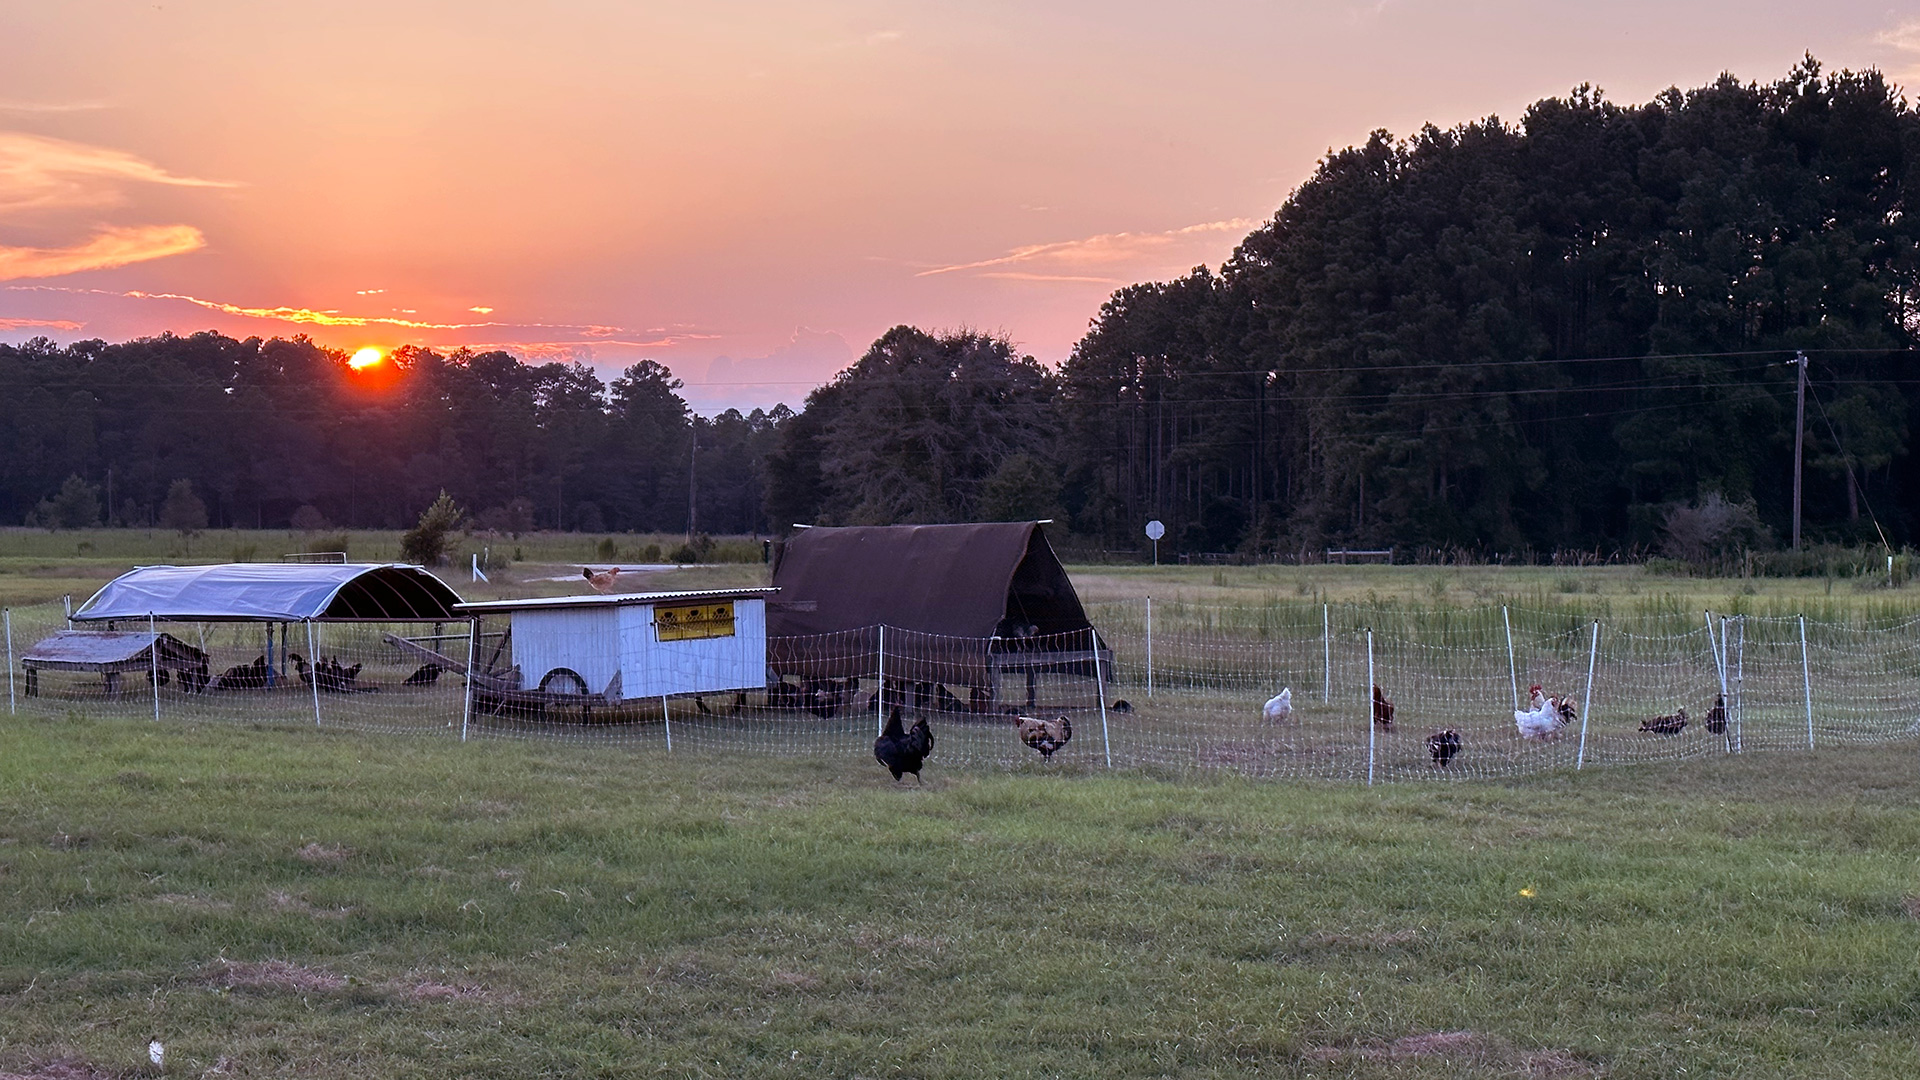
column 1046, row 736
column 1382, row 708
column 1666, row 725
column 602, row 582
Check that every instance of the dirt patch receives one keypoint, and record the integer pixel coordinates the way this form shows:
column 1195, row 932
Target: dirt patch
column 69, row 841
column 189, row 902
column 275, row 976
column 299, row 905
column 1912, row 906
column 792, row 980
column 1489, row 1053
column 429, row 990
column 323, row 854
column 65, row 1068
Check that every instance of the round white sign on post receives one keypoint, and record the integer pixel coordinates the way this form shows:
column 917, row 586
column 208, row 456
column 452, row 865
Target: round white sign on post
column 1155, row 530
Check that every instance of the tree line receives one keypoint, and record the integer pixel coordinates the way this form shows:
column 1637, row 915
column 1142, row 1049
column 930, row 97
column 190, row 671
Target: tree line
column 1550, row 334
column 285, row 433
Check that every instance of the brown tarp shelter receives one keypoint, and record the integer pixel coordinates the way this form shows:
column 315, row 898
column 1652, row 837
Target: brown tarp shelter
column 962, row 604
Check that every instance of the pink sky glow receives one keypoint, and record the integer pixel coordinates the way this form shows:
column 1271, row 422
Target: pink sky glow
column 748, row 192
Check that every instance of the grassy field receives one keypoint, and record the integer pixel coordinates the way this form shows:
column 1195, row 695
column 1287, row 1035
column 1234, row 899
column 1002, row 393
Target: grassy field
column 288, row 903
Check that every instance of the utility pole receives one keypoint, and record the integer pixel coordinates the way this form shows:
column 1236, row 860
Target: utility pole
column 693, row 482
column 1799, row 440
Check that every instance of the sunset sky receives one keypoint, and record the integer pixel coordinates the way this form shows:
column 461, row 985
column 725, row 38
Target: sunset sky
column 748, row 192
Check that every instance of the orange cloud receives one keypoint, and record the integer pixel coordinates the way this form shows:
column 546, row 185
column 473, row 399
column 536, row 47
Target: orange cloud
column 1103, row 250
column 49, row 324
column 40, row 173
column 110, row 247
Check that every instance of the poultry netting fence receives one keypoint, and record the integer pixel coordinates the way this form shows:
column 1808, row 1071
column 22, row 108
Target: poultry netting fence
column 1187, row 694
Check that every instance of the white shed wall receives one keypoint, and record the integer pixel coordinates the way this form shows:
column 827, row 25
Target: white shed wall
column 587, row 641
column 704, row 665
column 603, row 641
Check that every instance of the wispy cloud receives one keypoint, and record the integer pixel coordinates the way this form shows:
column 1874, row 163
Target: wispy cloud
column 50, row 106
column 589, row 333
column 1058, row 260
column 1904, row 39
column 41, row 173
column 109, row 247
column 41, row 324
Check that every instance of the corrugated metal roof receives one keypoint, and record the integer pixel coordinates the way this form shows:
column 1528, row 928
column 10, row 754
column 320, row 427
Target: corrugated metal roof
column 540, row 602
column 273, row 592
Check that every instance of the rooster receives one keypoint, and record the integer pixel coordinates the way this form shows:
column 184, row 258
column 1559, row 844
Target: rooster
column 903, row 751
column 1442, row 745
column 602, row 582
column 1279, row 707
column 1046, row 736
column 1543, row 717
column 1666, row 725
column 1717, row 716
column 1382, row 709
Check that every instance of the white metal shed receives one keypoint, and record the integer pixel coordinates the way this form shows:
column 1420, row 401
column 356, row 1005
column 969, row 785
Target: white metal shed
column 638, row 645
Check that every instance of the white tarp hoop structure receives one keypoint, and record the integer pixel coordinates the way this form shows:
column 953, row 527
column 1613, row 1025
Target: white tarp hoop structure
column 274, row 592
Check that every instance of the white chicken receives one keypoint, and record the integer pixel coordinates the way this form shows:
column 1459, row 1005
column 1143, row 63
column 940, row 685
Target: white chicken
column 1543, row 717
column 1279, row 707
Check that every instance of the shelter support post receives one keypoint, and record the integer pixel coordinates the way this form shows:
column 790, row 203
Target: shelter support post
column 1513, row 670
column 1806, row 679
column 1372, row 734
column 314, row 653
column 466, row 701
column 1586, row 703
column 153, row 666
column 1100, row 690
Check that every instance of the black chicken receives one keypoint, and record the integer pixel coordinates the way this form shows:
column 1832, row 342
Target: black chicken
column 1717, row 716
column 1382, row 709
column 1443, row 745
column 426, row 675
column 903, row 751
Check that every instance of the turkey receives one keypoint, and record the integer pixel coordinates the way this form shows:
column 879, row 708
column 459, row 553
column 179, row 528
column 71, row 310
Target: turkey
column 1279, row 707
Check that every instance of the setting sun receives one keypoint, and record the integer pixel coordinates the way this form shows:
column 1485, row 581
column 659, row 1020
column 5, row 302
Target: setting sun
column 365, row 358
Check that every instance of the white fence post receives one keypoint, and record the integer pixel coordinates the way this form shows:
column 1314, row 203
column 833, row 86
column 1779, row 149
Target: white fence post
column 1326, row 658
column 1740, row 686
column 1513, row 671
column 313, row 677
column 1100, row 689
column 1726, row 691
column 13, row 705
column 1806, row 679
column 1586, row 704
column 1149, row 646
column 1370, row 724
column 153, row 665
column 473, row 652
column 880, row 695
column 666, row 718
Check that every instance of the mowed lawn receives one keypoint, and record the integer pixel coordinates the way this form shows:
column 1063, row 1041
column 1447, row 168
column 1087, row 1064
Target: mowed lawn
column 271, row 902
